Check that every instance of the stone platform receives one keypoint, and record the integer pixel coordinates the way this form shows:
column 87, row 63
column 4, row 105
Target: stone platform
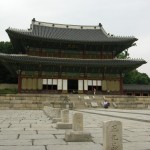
column 76, row 101
column 33, row 130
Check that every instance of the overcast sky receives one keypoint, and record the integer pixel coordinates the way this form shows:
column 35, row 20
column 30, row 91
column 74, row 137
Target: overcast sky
column 119, row 17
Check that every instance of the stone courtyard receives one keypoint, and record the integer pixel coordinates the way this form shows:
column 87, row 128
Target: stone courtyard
column 33, row 130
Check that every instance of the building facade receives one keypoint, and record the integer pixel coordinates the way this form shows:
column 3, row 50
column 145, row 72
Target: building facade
column 58, row 58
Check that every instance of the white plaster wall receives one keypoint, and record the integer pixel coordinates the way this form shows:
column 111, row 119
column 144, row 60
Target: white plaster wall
column 49, row 81
column 44, row 81
column 80, row 85
column 85, row 84
column 89, row 82
column 94, row 82
column 65, row 84
column 54, row 81
column 59, row 87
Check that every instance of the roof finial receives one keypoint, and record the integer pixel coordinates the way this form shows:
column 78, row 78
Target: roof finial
column 100, row 24
column 33, row 20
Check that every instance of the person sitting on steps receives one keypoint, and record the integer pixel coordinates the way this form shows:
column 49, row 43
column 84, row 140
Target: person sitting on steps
column 106, row 104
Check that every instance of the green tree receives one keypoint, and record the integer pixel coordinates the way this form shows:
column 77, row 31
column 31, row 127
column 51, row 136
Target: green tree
column 135, row 77
column 143, row 78
column 6, row 47
column 5, row 76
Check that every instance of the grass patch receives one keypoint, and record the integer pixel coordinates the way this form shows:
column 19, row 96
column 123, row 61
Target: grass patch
column 8, row 91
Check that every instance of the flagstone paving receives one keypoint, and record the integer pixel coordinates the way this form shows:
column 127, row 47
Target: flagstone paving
column 33, row 130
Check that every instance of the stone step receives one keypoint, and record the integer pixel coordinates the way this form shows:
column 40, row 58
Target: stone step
column 37, row 101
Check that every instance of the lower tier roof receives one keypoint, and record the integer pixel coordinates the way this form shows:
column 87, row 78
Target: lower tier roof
column 136, row 87
column 26, row 62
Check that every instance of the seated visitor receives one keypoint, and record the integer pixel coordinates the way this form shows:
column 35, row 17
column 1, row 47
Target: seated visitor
column 106, row 104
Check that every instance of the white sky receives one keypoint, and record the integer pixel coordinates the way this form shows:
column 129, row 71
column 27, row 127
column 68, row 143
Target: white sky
column 119, row 17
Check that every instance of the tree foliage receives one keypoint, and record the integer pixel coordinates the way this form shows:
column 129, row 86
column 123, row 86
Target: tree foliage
column 6, row 47
column 5, row 76
column 135, row 77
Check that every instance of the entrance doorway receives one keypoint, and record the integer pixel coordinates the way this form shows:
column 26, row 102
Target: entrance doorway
column 73, row 86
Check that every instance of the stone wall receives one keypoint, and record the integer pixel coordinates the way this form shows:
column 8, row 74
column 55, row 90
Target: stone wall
column 26, row 101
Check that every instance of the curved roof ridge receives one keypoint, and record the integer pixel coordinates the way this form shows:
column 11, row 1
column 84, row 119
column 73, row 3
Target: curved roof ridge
column 25, row 55
column 69, row 26
column 117, row 36
column 64, row 32
column 19, row 30
column 132, row 59
column 83, row 27
column 4, row 54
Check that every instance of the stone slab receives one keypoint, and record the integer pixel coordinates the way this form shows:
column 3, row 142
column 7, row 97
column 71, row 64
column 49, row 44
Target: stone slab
column 6, row 125
column 8, row 137
column 136, row 146
column 22, row 147
column 42, row 125
column 80, row 143
column 19, row 125
column 49, row 142
column 5, row 132
column 55, row 120
column 12, row 129
column 37, row 136
column 61, row 125
column 77, row 136
column 75, row 147
column 86, row 97
column 94, row 104
column 37, row 129
column 56, row 131
column 15, row 142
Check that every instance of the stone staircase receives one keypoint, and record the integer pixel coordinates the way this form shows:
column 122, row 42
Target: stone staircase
column 75, row 101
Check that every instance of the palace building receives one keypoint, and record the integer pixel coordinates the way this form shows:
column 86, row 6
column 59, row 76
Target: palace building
column 60, row 58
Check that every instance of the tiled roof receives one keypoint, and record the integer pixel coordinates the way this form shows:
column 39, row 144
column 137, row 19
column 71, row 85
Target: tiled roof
column 72, row 61
column 76, row 33
column 136, row 87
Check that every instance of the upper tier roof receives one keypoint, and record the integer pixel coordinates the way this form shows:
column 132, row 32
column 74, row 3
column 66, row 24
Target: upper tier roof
column 64, row 32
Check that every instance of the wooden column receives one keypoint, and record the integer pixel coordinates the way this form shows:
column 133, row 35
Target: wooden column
column 19, row 81
column 121, row 84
